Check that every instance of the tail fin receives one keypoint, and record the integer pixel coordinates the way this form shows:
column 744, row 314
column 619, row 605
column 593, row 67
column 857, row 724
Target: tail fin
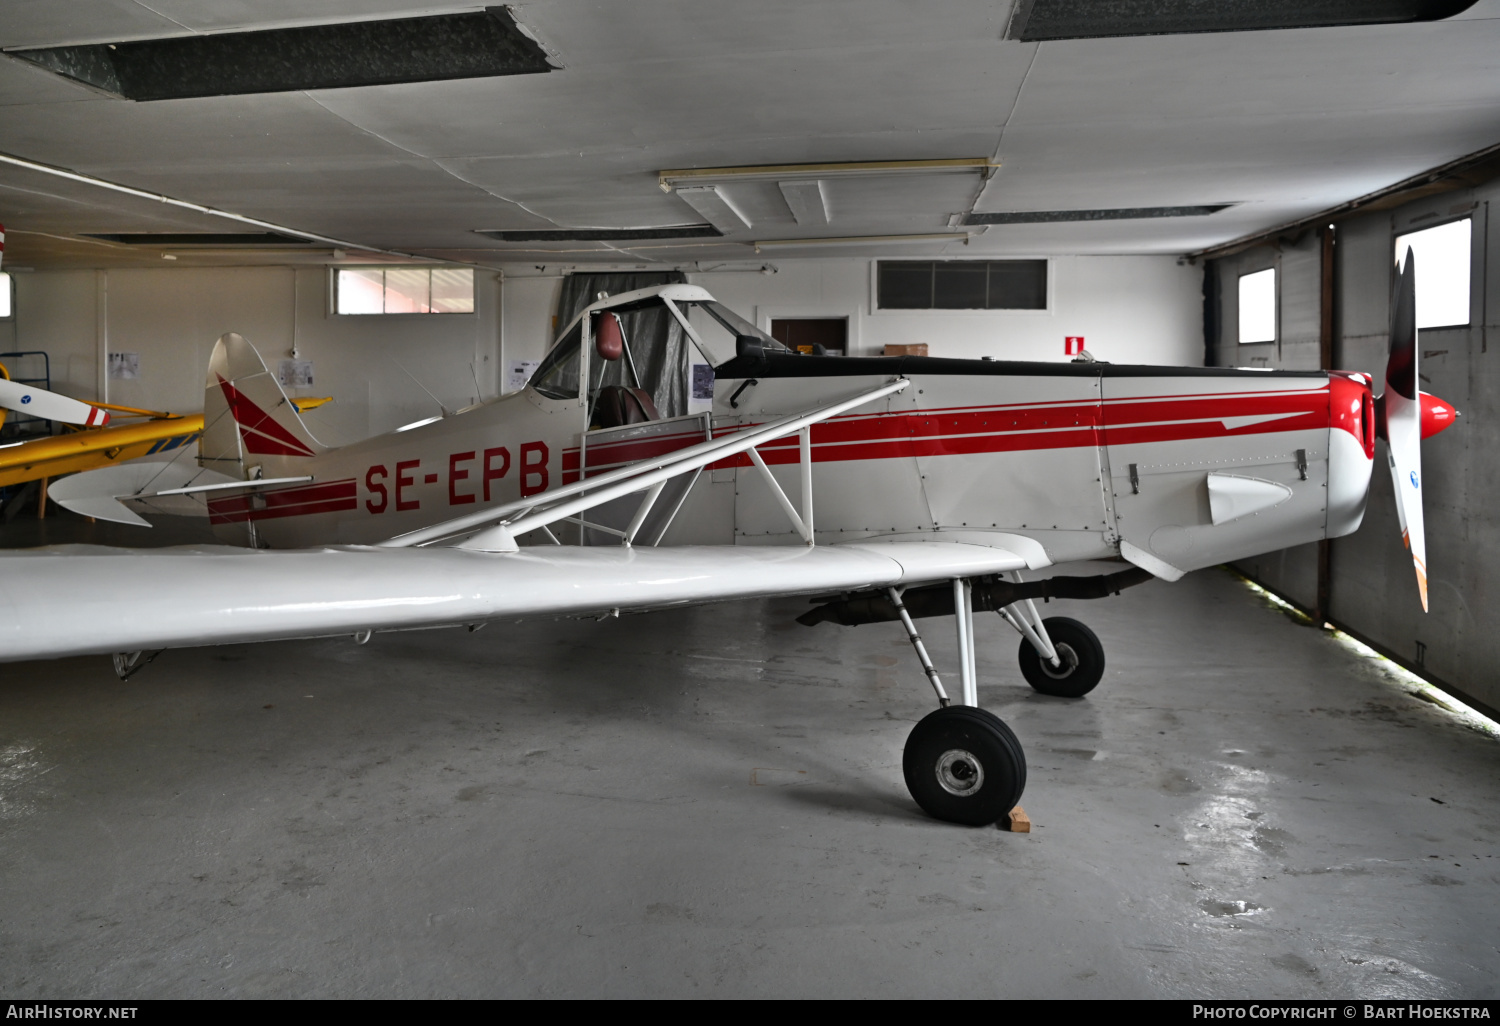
column 246, row 415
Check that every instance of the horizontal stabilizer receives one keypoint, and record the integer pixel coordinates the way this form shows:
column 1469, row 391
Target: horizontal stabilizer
column 102, row 507
column 98, row 493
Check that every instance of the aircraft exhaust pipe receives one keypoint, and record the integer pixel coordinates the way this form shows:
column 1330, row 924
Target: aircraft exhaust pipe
column 937, row 599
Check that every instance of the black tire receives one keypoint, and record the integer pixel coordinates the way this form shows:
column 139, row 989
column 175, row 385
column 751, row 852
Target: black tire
column 1082, row 657
column 964, row 765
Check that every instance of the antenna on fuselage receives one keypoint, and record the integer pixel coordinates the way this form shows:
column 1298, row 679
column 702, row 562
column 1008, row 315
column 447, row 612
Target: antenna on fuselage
column 446, row 412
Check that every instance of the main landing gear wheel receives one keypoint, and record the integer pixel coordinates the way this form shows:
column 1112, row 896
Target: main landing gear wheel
column 1081, row 654
column 964, row 765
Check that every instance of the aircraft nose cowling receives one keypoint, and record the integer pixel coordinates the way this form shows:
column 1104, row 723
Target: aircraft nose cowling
column 1436, row 415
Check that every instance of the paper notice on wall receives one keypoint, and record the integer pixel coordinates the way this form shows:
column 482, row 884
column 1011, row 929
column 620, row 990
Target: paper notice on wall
column 295, row 373
column 518, row 372
column 701, row 395
column 124, row 366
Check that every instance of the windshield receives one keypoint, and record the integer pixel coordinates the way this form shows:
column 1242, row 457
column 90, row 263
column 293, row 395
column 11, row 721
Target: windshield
column 720, row 328
column 557, row 377
column 728, row 326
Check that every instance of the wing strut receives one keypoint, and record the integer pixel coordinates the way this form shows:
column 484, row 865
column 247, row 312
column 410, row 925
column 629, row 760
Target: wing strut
column 497, row 528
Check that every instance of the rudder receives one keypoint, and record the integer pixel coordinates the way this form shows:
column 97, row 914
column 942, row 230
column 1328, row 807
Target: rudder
column 247, row 418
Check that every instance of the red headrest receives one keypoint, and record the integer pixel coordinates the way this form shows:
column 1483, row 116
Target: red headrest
column 609, row 341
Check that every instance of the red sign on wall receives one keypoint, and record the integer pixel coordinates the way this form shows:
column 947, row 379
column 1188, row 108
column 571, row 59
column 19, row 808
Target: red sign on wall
column 1072, row 345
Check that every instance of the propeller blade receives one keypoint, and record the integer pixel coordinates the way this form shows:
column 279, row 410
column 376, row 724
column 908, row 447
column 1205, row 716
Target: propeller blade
column 38, row 402
column 1402, row 404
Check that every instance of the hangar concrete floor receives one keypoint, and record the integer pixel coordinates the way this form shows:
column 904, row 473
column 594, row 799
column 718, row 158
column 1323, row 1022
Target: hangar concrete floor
column 709, row 802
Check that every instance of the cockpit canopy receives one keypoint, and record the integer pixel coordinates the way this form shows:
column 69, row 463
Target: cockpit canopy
column 637, row 352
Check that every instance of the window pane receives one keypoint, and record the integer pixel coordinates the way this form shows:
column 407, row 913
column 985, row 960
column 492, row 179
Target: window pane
column 452, row 290
column 1442, row 272
column 959, row 285
column 1018, row 285
column 1258, row 306
column 406, row 290
column 905, row 285
column 361, row 291
column 5, row 295
column 557, row 377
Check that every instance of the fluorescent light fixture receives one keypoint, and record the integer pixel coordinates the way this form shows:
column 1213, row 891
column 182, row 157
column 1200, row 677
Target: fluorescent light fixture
column 1036, row 20
column 859, row 240
column 806, row 200
column 673, row 178
column 1110, row 214
column 673, row 231
column 715, row 208
column 199, row 238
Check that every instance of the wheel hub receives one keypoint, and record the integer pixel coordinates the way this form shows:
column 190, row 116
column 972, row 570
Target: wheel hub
column 1066, row 656
column 959, row 772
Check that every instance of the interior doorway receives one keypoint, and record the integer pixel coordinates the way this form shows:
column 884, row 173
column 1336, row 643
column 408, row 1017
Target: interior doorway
column 803, row 333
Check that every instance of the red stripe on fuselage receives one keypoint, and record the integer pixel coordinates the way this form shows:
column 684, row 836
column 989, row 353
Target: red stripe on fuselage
column 302, row 500
column 997, row 429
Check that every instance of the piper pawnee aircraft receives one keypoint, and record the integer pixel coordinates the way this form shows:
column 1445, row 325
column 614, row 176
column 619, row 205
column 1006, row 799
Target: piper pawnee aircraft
column 889, row 488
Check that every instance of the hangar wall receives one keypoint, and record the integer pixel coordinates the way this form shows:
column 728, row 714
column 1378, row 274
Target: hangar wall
column 170, row 317
column 1129, row 309
column 1371, row 589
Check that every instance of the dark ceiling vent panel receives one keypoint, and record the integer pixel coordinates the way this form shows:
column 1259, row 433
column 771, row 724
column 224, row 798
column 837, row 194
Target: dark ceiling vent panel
column 199, row 238
column 477, row 44
column 1037, row 20
column 679, row 231
column 1115, row 214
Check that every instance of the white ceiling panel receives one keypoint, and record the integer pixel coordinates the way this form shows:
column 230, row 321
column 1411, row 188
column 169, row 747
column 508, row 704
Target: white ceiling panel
column 1281, row 124
column 49, row 23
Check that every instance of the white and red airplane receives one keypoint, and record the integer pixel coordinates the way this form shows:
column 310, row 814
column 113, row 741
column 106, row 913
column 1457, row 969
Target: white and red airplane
column 896, row 487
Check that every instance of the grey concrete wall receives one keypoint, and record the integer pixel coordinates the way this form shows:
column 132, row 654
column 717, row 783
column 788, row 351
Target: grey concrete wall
column 1372, row 587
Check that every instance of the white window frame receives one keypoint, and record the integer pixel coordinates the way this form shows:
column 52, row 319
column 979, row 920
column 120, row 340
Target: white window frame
column 764, row 315
column 333, row 290
column 876, row 310
column 1239, row 307
column 1398, row 252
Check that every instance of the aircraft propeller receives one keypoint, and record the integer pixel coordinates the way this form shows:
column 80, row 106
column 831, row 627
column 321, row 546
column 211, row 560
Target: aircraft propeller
column 1405, row 415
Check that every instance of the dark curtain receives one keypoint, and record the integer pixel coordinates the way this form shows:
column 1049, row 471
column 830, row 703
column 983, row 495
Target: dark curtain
column 655, row 338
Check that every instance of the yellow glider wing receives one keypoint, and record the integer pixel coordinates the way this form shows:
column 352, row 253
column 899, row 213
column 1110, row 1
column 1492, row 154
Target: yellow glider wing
column 102, row 447
column 93, row 448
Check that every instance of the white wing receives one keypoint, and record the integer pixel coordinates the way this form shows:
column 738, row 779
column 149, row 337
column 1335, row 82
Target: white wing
column 38, row 402
column 65, row 601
